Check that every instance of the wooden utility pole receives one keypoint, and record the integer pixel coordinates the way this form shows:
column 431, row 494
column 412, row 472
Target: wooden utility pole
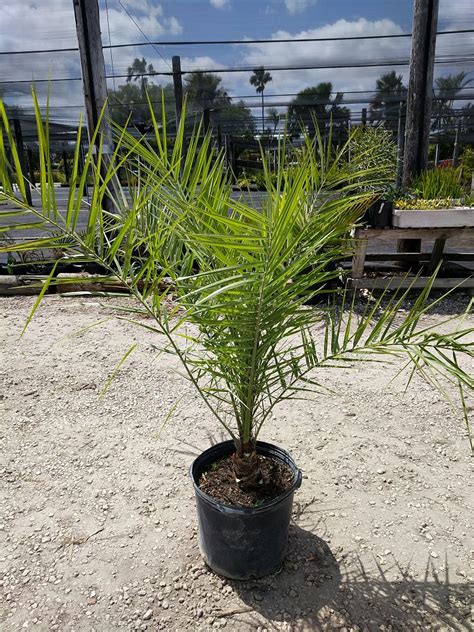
column 420, row 88
column 178, row 87
column 419, row 99
column 95, row 86
column 400, row 143
column 206, row 120
column 456, row 144
column 93, row 70
column 29, row 155
column 66, row 167
column 22, row 157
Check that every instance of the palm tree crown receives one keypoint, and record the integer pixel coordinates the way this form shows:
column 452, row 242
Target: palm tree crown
column 138, row 71
column 259, row 79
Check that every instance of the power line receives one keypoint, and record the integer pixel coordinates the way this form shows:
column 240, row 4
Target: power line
column 453, row 94
column 225, row 42
column 144, row 34
column 377, row 64
column 289, row 40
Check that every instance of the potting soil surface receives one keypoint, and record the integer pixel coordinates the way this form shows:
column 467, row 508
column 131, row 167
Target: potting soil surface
column 219, row 482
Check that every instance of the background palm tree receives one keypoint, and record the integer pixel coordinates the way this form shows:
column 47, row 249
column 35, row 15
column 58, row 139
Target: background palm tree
column 384, row 107
column 138, row 71
column 314, row 105
column 204, row 90
column 259, row 79
column 273, row 117
column 447, row 89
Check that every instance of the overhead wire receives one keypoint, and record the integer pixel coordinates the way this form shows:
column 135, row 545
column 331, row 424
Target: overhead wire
column 228, row 42
column 143, row 33
column 234, row 69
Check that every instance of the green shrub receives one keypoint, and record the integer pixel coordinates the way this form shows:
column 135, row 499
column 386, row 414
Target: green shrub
column 374, row 148
column 439, row 183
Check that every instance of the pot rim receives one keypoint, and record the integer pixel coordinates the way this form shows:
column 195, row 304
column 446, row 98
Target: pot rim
column 266, row 448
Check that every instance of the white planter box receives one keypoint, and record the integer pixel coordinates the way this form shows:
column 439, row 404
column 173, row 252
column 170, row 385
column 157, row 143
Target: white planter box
column 434, row 218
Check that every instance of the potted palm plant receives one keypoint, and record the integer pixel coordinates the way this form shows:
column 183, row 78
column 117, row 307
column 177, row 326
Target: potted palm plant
column 238, row 319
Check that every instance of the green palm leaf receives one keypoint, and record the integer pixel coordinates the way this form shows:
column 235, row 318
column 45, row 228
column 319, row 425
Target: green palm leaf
column 243, row 277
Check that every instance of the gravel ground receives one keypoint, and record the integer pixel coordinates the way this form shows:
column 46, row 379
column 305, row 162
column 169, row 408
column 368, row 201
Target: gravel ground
column 97, row 518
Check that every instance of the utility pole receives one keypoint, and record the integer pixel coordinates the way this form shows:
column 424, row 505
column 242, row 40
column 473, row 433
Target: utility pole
column 419, row 99
column 89, row 38
column 420, row 88
column 456, row 144
column 22, row 158
column 178, row 87
column 400, row 143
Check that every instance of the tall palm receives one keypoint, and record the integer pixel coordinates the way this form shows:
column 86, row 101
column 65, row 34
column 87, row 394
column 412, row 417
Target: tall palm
column 138, row 71
column 389, row 91
column 204, row 90
column 314, row 106
column 259, row 79
column 449, row 86
column 446, row 90
column 274, row 118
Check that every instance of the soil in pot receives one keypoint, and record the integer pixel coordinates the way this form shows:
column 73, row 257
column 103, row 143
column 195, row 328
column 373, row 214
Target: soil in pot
column 218, row 481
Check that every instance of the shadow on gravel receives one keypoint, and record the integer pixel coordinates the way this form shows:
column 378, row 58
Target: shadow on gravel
column 315, row 592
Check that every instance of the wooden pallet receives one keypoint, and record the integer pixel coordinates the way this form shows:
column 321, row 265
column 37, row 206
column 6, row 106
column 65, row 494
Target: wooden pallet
column 362, row 236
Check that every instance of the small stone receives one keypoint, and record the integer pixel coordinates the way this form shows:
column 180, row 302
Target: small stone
column 433, row 554
column 148, row 615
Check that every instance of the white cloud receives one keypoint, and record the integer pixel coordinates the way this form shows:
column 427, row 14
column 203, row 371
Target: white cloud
column 143, row 6
column 174, row 27
column 52, row 25
column 298, row 6
column 330, row 53
column 219, row 4
column 456, row 12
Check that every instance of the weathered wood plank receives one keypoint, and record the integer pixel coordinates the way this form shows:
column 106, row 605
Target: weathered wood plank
column 394, row 283
column 391, row 234
column 358, row 261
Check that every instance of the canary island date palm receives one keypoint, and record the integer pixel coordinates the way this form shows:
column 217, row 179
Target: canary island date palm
column 242, row 277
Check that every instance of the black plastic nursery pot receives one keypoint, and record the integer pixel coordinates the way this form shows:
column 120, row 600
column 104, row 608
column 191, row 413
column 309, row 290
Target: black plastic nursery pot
column 243, row 542
column 379, row 214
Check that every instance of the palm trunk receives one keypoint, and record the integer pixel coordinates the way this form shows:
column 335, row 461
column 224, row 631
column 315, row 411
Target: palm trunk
column 263, row 117
column 246, row 465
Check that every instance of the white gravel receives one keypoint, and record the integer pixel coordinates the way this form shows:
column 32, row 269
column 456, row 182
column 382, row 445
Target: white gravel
column 97, row 520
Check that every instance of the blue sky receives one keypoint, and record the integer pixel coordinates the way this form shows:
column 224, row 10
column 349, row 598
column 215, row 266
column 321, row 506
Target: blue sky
column 254, row 18
column 50, row 23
